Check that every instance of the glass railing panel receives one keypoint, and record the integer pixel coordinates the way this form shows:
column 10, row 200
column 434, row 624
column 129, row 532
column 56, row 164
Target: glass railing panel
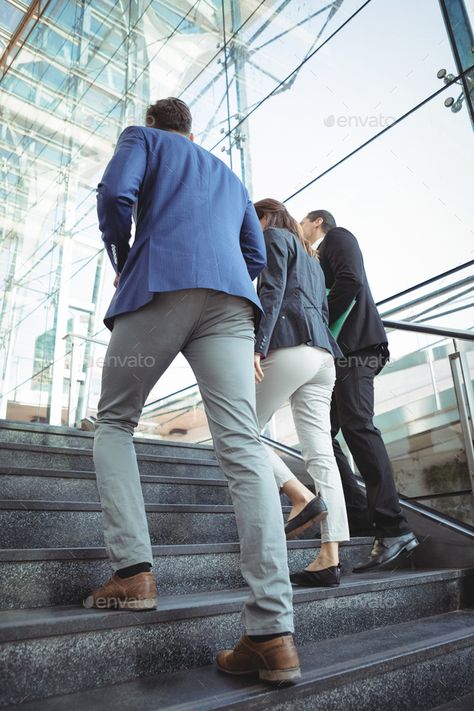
column 418, row 416
column 281, row 427
column 27, row 332
column 29, row 400
column 458, row 505
column 179, row 417
column 417, row 413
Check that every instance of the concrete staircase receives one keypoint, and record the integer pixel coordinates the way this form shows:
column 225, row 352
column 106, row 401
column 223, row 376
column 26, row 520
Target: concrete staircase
column 403, row 638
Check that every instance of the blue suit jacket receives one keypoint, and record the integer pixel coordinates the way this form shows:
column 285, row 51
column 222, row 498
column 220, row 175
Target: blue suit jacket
column 195, row 224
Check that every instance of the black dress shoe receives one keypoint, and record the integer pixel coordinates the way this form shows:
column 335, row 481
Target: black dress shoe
column 326, row 578
column 385, row 550
column 313, row 513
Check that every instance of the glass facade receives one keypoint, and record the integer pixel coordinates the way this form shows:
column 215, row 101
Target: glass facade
column 281, row 91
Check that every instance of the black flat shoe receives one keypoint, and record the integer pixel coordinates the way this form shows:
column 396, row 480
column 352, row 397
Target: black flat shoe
column 313, row 513
column 386, row 550
column 326, row 578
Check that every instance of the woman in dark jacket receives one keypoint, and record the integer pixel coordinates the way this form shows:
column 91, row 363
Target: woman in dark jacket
column 294, row 360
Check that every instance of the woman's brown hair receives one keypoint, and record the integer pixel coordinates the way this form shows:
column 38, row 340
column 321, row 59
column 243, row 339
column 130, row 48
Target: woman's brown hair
column 278, row 216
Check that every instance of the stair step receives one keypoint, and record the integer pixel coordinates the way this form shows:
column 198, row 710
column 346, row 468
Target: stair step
column 421, row 660
column 59, row 436
column 69, row 485
column 41, row 524
column 458, row 703
column 396, row 638
column 47, row 457
column 28, row 523
column 62, row 576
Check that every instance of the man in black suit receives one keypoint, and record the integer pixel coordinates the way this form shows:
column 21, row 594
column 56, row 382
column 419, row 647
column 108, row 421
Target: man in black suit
column 363, row 342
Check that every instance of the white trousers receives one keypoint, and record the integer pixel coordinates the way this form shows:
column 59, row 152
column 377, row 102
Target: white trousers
column 305, row 376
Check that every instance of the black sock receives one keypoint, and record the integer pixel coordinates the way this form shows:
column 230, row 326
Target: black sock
column 267, row 637
column 134, row 570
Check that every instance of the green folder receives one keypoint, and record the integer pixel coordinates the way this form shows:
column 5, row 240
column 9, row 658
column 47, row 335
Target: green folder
column 336, row 327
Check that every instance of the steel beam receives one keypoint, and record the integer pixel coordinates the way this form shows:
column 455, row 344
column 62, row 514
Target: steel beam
column 35, row 10
column 461, row 38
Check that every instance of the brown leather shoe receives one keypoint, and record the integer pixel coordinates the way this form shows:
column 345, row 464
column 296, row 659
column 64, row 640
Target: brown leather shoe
column 135, row 593
column 276, row 660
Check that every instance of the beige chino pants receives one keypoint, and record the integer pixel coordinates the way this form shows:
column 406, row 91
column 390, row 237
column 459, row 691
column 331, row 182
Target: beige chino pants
column 215, row 332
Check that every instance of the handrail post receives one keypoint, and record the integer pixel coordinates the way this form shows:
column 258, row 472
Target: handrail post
column 463, row 407
column 468, row 389
column 73, row 394
column 72, row 399
column 429, row 355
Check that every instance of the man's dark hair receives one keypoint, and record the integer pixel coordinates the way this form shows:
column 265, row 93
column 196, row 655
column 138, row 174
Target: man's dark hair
column 170, row 115
column 328, row 220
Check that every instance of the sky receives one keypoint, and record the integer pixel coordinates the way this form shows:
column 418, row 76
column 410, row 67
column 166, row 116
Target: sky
column 408, row 196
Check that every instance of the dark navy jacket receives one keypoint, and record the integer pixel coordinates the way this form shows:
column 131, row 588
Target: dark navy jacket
column 344, row 272
column 293, row 295
column 195, row 224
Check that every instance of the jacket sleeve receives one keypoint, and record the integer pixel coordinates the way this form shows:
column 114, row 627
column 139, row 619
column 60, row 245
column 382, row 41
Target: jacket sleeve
column 343, row 254
column 118, row 191
column 252, row 242
column 271, row 288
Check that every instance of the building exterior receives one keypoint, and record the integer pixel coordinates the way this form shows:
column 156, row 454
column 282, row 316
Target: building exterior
column 73, row 74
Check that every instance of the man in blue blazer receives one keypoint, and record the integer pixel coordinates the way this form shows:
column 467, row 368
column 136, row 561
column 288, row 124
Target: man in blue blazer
column 185, row 286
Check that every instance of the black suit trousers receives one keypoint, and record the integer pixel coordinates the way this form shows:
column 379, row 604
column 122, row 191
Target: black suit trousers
column 352, row 412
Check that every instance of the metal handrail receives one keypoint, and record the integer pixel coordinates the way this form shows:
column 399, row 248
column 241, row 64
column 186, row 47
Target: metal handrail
column 426, row 297
column 460, row 334
column 85, row 338
column 407, row 501
column 166, row 397
column 282, row 447
column 426, row 282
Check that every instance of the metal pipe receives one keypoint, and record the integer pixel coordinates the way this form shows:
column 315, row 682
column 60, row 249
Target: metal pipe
column 468, row 388
column 85, row 338
column 72, row 385
column 34, row 7
column 456, row 370
column 426, row 282
column 431, row 295
column 434, row 330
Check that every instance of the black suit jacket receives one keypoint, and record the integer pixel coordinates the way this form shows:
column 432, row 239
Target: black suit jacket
column 293, row 296
column 344, row 272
